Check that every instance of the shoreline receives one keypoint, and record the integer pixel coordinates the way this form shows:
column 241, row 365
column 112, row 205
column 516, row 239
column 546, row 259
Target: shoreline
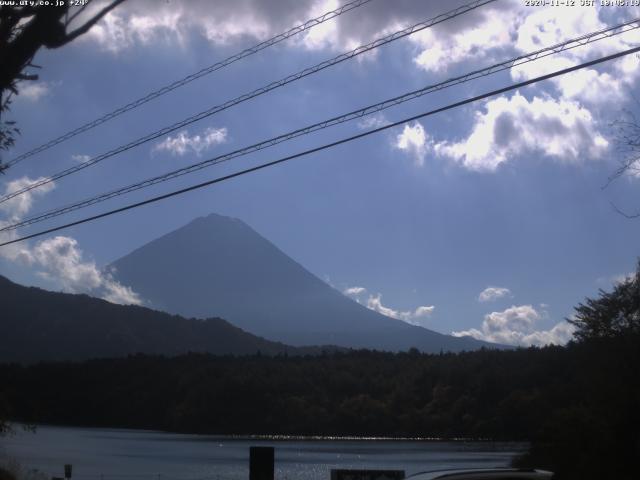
column 18, row 426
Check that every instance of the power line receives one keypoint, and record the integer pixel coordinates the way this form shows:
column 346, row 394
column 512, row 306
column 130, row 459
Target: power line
column 520, row 60
column 190, row 78
column 328, row 145
column 243, row 98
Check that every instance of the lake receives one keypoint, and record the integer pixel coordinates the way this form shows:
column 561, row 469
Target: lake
column 116, row 454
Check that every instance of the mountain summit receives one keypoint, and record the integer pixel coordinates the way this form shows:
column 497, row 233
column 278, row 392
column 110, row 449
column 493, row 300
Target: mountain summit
column 219, row 266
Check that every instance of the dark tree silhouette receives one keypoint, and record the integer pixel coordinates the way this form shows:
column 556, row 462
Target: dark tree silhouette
column 612, row 314
column 23, row 31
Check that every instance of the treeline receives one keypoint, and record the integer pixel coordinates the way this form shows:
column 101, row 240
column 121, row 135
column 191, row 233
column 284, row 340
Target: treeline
column 481, row 394
column 578, row 404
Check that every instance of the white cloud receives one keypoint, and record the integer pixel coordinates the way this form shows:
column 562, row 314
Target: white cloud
column 566, row 127
column 374, row 303
column 373, row 121
column 118, row 31
column 599, row 87
column 147, row 22
column 62, row 261
column 559, row 334
column 80, row 158
column 590, row 86
column 414, row 141
column 510, row 127
column 13, row 211
column 423, row 311
column 114, row 292
column 354, row 291
column 547, row 26
column 323, row 35
column 32, row 91
column 516, row 326
column 485, row 34
column 58, row 259
column 15, row 208
column 182, row 143
column 478, row 40
column 15, row 252
column 493, row 293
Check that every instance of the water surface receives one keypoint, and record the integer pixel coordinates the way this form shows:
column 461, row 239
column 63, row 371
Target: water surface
column 116, row 454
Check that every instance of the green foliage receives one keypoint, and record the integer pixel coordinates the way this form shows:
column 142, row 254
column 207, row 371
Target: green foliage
column 612, row 314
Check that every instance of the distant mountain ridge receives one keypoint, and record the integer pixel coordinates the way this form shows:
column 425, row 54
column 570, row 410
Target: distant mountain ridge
column 220, row 266
column 38, row 325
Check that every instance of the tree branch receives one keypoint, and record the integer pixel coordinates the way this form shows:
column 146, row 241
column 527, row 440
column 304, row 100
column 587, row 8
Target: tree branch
column 625, row 214
column 76, row 13
column 90, row 23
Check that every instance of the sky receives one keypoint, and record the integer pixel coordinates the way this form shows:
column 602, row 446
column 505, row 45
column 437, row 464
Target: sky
column 494, row 219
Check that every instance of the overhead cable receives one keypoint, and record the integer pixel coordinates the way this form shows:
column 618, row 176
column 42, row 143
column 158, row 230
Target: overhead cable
column 303, row 27
column 260, row 91
column 353, row 115
column 328, row 145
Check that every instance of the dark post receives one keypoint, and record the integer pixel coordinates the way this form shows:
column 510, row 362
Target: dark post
column 67, row 471
column 261, row 463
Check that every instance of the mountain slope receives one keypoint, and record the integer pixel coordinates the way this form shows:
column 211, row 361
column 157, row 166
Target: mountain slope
column 218, row 265
column 37, row 325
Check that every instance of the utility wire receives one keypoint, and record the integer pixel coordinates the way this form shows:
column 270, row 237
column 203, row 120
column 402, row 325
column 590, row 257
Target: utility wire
column 243, row 98
column 520, row 60
column 190, row 78
column 328, row 145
